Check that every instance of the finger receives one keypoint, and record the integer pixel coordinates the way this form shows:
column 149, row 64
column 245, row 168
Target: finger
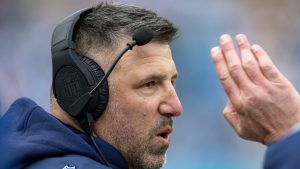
column 266, row 65
column 223, row 74
column 249, row 62
column 232, row 116
column 233, row 62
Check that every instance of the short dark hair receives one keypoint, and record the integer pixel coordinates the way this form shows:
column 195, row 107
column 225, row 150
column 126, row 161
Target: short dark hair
column 109, row 22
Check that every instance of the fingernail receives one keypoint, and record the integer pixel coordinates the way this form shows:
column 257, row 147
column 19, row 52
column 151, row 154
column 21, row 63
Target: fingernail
column 224, row 39
column 240, row 39
column 255, row 48
column 215, row 50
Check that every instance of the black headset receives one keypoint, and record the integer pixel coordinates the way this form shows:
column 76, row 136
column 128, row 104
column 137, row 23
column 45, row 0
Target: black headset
column 74, row 74
column 80, row 84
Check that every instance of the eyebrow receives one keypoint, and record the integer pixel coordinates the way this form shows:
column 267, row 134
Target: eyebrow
column 159, row 76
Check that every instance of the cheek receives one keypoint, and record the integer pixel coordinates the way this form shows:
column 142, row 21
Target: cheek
column 141, row 113
column 144, row 107
column 139, row 110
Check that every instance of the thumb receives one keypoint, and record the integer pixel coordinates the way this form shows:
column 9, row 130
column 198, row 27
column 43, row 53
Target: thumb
column 231, row 116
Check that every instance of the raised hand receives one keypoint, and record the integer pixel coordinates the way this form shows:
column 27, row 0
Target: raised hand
column 263, row 105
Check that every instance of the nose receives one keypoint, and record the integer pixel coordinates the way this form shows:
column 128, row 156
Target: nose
column 171, row 105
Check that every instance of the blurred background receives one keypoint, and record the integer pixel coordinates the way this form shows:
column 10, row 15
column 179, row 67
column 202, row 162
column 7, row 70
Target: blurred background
column 202, row 139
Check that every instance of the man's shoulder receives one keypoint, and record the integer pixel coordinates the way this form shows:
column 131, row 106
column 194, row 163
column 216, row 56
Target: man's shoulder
column 283, row 153
column 67, row 162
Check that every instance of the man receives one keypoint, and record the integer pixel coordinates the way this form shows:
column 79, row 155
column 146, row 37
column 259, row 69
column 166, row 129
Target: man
column 263, row 105
column 133, row 131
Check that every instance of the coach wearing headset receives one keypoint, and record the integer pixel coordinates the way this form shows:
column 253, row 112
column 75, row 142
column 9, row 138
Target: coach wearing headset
column 130, row 115
column 125, row 121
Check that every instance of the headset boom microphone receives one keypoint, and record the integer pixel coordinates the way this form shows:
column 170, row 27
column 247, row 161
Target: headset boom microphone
column 141, row 37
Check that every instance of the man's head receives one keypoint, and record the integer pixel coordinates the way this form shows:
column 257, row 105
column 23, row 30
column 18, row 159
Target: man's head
column 142, row 99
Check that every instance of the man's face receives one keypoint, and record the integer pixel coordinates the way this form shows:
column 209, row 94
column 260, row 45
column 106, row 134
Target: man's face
column 138, row 118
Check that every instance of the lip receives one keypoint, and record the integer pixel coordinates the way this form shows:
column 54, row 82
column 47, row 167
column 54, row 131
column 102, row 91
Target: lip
column 164, row 135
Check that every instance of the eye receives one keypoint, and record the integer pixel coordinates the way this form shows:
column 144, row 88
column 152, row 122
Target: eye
column 173, row 82
column 150, row 84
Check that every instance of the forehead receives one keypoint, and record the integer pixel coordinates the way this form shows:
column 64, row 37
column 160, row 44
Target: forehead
column 149, row 56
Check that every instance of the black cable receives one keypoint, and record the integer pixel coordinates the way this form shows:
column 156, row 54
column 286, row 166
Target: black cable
column 99, row 152
column 88, row 128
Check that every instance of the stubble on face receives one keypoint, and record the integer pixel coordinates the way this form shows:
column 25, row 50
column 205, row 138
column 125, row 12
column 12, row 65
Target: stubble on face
column 139, row 146
column 132, row 122
column 144, row 152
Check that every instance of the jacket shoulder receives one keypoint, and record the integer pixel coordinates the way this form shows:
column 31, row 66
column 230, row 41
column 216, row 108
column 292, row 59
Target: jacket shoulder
column 284, row 153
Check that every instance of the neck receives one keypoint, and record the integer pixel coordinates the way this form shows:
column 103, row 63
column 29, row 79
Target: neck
column 63, row 116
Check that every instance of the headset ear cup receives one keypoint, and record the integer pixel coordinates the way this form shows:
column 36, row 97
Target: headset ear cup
column 99, row 101
column 69, row 84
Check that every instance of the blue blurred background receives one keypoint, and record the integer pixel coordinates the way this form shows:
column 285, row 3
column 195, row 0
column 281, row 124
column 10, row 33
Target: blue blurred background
column 202, row 138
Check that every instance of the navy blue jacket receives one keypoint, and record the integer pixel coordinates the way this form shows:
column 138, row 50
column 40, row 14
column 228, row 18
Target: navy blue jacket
column 284, row 153
column 32, row 138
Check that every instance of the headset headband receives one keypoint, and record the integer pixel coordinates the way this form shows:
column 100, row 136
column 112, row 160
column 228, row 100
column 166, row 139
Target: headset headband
column 62, row 37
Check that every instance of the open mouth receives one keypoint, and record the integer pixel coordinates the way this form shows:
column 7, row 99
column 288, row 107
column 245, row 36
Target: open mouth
column 165, row 134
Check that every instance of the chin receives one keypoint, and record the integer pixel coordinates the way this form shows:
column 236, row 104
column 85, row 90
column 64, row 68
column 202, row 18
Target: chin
column 148, row 156
column 155, row 161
